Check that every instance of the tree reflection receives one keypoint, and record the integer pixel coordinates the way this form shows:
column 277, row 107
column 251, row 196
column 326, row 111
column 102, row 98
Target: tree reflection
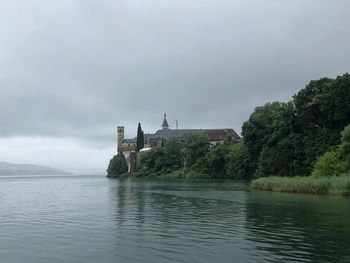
column 300, row 228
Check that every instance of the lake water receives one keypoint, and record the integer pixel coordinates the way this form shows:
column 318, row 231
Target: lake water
column 95, row 219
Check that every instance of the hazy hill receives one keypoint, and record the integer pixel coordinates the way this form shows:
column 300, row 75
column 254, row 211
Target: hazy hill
column 27, row 169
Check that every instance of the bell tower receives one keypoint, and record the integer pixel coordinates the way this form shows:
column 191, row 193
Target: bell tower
column 120, row 137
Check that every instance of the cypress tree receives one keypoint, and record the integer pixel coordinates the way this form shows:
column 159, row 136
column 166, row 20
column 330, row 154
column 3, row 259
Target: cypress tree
column 140, row 140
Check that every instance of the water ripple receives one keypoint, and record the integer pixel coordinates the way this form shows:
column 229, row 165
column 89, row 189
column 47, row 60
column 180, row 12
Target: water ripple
column 93, row 219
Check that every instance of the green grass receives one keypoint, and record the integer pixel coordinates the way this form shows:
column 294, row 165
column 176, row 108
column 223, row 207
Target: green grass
column 337, row 185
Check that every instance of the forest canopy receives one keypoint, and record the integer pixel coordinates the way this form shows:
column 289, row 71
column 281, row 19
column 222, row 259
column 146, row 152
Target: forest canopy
column 295, row 138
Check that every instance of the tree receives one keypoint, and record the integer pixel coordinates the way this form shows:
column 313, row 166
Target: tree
column 238, row 166
column 344, row 148
column 322, row 110
column 216, row 161
column 162, row 160
column 285, row 139
column 117, row 166
column 281, row 154
column 140, row 139
column 257, row 130
column 335, row 161
column 329, row 165
column 148, row 161
column 197, row 146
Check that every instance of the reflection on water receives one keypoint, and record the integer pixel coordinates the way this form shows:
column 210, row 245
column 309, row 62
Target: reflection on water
column 94, row 219
column 303, row 228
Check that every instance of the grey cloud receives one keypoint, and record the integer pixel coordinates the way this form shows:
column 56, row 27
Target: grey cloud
column 80, row 68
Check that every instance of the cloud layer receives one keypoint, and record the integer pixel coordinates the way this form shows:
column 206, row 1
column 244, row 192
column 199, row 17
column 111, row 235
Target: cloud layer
column 76, row 69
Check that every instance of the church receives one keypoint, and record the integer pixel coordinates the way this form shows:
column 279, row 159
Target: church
column 128, row 146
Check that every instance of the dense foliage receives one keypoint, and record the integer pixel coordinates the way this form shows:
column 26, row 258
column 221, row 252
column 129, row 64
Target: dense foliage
column 162, row 159
column 238, row 165
column 335, row 161
column 196, row 158
column 297, row 138
column 285, row 139
column 117, row 166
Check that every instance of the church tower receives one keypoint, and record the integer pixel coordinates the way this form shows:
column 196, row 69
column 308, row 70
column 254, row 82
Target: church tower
column 165, row 125
column 120, row 137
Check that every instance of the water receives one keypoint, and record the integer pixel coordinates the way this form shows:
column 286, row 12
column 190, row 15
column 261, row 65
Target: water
column 95, row 219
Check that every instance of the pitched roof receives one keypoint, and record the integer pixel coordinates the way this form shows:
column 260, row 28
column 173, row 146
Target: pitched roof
column 221, row 134
column 213, row 134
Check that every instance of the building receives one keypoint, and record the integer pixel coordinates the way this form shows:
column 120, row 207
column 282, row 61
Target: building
column 128, row 146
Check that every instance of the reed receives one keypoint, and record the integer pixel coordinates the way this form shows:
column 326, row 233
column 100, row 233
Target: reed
column 337, row 185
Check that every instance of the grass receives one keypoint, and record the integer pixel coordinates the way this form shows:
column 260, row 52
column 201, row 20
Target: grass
column 337, row 185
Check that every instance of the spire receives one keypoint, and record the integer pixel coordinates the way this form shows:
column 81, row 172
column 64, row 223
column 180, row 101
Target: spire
column 165, row 125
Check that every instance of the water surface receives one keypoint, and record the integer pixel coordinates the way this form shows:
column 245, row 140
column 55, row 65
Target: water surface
column 95, row 219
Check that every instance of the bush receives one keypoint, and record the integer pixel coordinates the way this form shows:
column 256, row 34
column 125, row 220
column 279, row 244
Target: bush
column 329, row 165
column 344, row 148
column 117, row 166
column 337, row 161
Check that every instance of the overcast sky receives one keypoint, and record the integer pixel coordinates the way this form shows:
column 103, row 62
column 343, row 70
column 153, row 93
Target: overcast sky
column 72, row 71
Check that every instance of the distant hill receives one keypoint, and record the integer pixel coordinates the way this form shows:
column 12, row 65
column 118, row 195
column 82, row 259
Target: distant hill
column 27, row 169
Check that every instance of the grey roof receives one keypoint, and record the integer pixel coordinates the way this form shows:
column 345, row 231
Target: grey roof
column 213, row 134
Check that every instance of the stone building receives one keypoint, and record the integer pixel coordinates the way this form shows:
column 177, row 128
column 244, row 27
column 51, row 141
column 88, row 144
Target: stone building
column 128, row 146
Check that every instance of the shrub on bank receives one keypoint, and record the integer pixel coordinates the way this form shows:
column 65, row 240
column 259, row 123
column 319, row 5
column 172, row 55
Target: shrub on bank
column 330, row 165
column 339, row 185
column 117, row 166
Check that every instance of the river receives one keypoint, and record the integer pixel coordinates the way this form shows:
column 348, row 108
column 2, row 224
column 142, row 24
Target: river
column 95, row 219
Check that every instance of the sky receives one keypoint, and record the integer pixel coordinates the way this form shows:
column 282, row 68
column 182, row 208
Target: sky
column 74, row 70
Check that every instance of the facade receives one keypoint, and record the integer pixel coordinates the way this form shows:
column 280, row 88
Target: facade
column 128, row 146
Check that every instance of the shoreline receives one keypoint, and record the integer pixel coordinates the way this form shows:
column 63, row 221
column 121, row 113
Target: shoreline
column 336, row 186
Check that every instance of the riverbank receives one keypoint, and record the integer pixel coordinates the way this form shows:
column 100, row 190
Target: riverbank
column 335, row 185
column 177, row 174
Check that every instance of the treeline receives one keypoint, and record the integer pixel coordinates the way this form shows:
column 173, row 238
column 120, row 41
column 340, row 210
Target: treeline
column 285, row 139
column 279, row 139
column 195, row 158
column 331, row 174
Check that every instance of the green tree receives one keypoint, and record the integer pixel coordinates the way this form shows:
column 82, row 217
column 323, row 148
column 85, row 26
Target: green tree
column 344, row 148
column 215, row 161
column 197, row 146
column 117, row 166
column 140, row 139
column 172, row 158
column 285, row 139
column 257, row 130
column 238, row 166
column 322, row 108
column 336, row 161
column 162, row 160
column 329, row 165
column 148, row 161
column 282, row 154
